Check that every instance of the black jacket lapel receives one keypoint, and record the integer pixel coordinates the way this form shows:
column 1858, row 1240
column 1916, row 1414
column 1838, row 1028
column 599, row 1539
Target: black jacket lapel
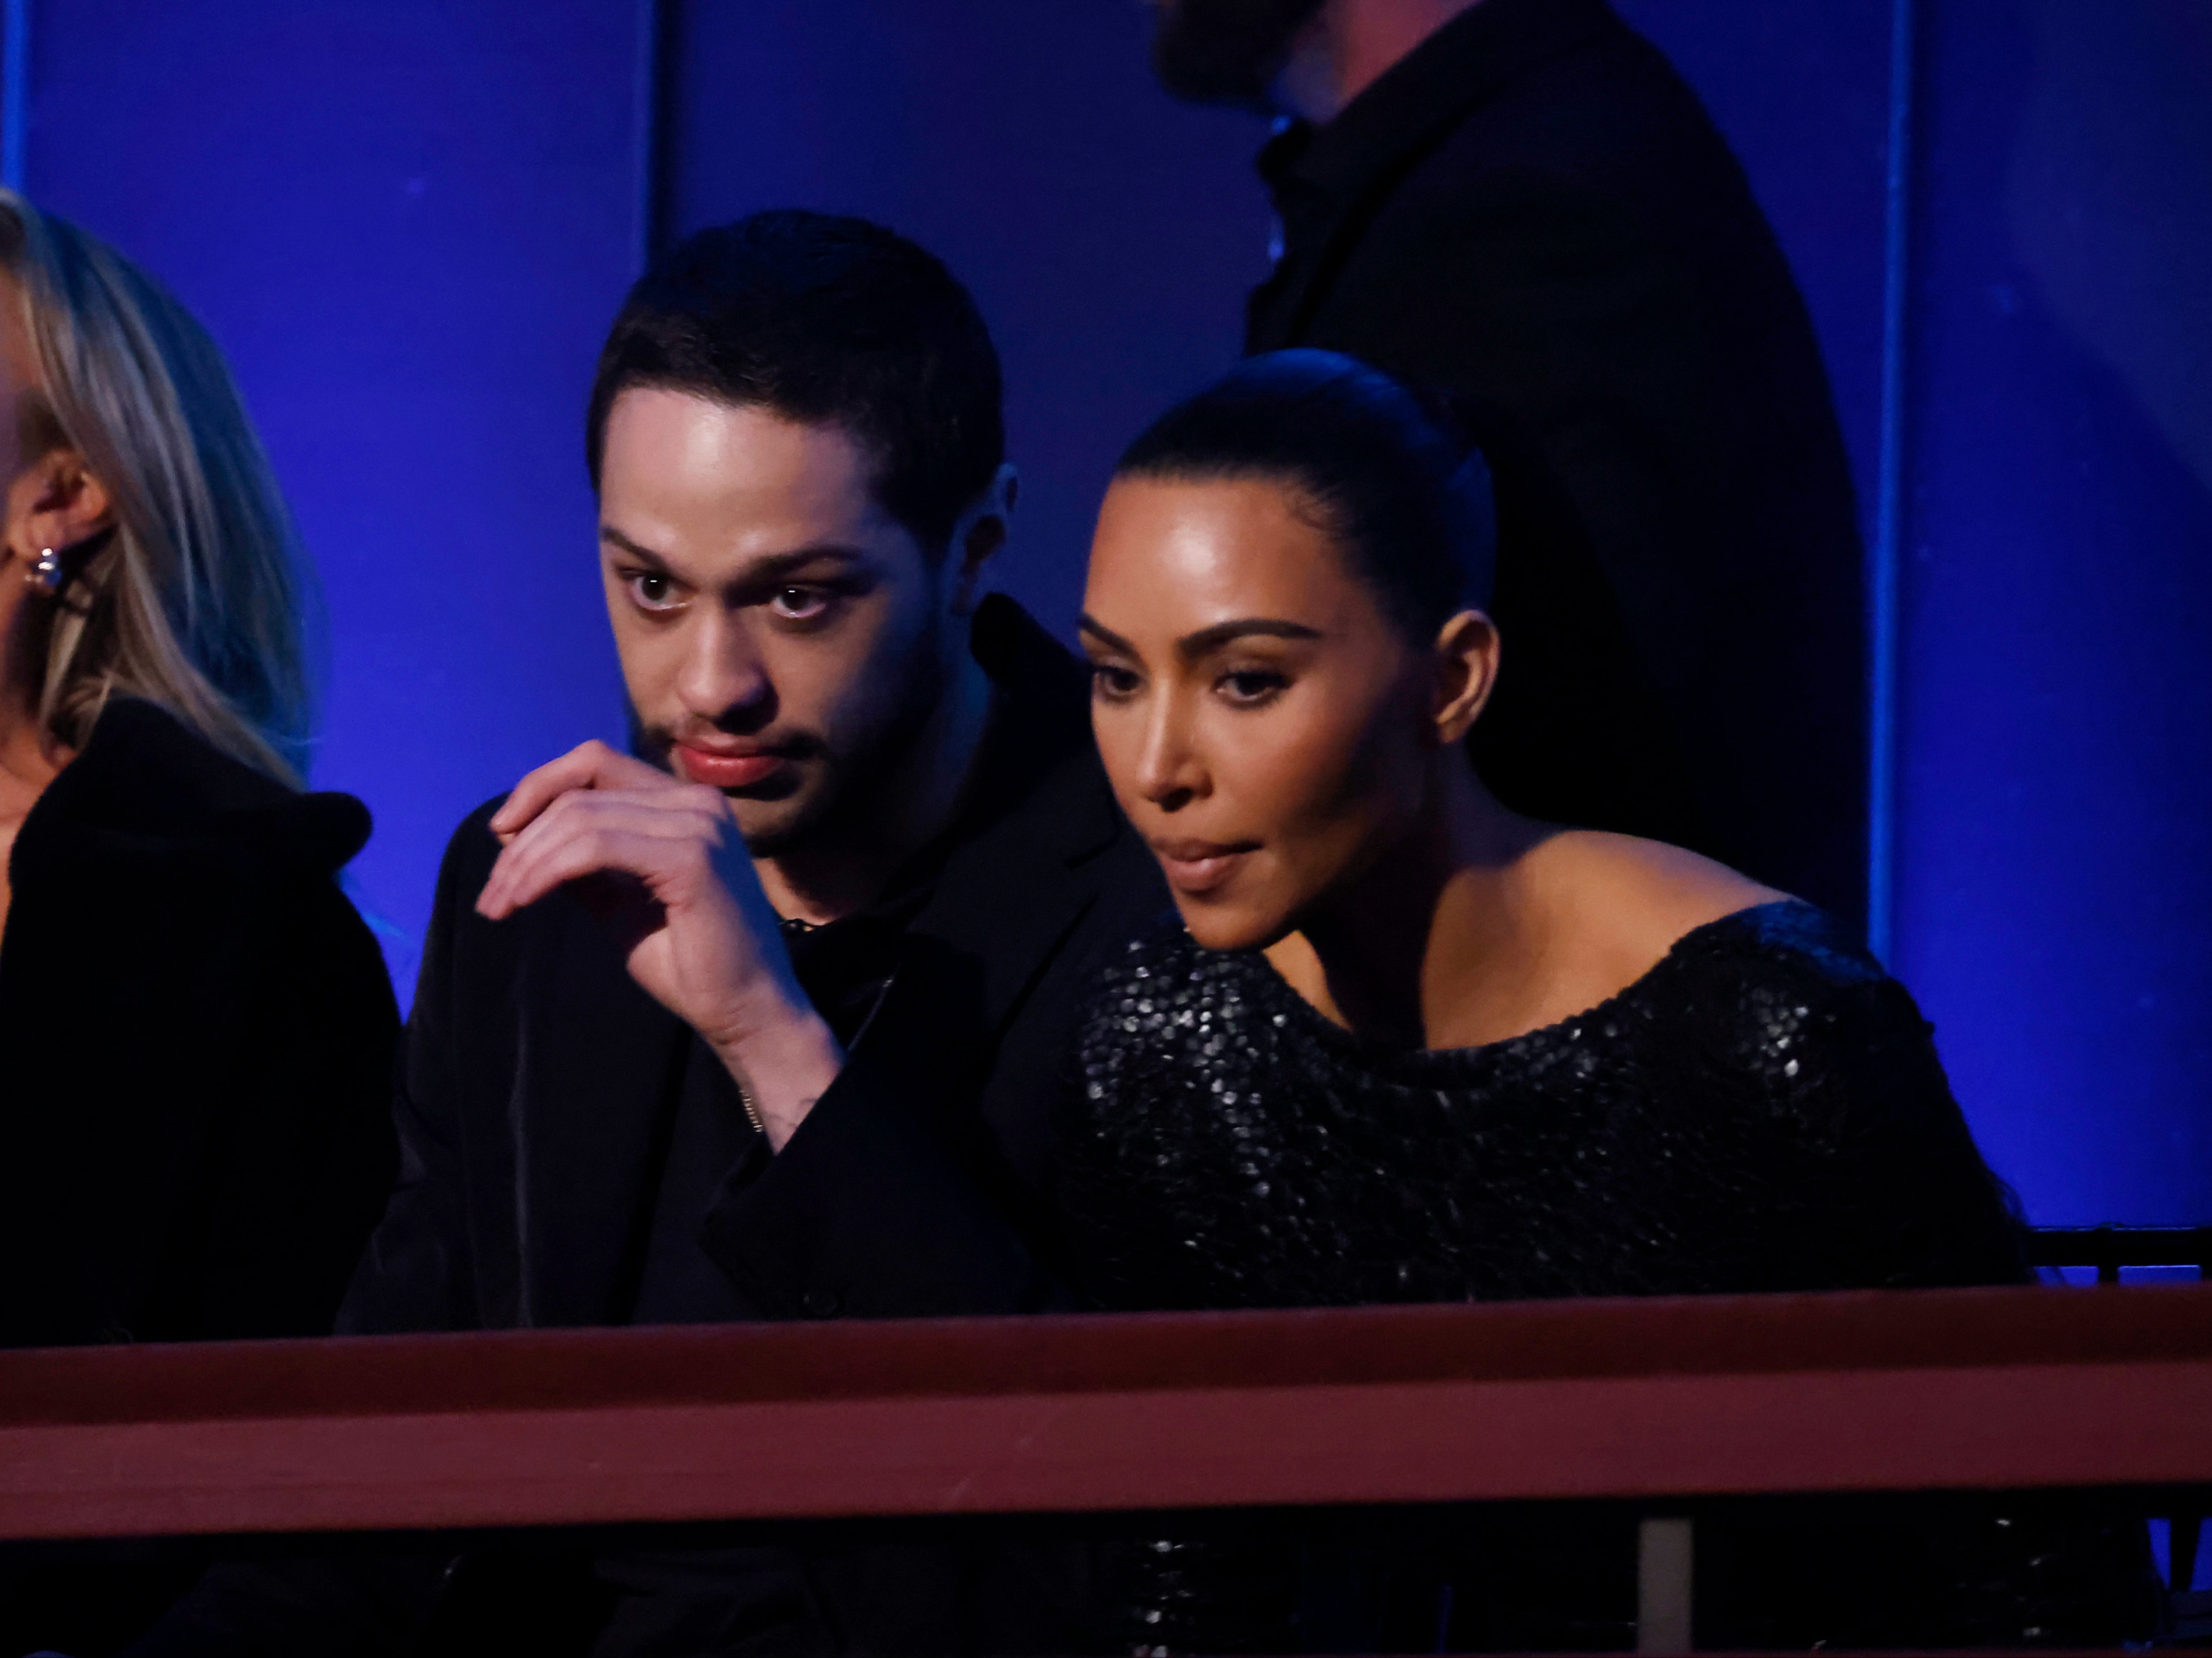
column 589, row 1107
column 1015, row 885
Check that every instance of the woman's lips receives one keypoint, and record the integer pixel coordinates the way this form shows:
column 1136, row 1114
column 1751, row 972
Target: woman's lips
column 726, row 771
column 1198, row 867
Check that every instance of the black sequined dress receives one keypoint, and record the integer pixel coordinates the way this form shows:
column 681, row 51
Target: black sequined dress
column 1764, row 1111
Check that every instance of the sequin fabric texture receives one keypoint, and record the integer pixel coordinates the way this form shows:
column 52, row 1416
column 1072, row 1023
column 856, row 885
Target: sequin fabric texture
column 1763, row 1111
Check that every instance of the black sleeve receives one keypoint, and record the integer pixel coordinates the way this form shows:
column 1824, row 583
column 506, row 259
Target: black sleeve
column 898, row 1197
column 302, row 1162
column 1901, row 1199
column 1905, row 1198
column 869, row 1211
column 416, row 1273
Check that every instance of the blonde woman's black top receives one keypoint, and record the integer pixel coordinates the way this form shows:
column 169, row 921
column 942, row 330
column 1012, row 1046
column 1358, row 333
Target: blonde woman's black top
column 196, row 1044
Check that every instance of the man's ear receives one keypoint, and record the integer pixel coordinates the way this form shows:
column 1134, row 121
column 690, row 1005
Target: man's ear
column 56, row 501
column 978, row 537
column 1466, row 655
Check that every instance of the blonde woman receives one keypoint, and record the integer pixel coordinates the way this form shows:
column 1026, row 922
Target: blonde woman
column 196, row 1028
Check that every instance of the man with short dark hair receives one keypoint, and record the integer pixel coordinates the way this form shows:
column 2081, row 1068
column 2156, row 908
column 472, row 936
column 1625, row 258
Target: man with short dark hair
column 765, row 1018
column 1521, row 203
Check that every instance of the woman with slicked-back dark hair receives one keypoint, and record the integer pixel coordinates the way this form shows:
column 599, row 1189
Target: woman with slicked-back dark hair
column 1402, row 1044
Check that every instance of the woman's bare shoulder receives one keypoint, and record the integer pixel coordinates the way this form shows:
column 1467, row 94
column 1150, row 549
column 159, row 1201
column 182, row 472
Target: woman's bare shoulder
column 1641, row 897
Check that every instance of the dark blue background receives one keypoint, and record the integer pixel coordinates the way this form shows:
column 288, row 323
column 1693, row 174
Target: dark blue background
column 409, row 222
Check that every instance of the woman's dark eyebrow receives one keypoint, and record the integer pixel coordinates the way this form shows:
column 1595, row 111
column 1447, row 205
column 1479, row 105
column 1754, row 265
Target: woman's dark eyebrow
column 1206, row 641
column 1105, row 636
column 1191, row 647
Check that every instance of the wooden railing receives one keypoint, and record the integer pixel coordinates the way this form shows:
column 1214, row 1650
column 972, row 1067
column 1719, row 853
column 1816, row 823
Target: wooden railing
column 1644, row 1400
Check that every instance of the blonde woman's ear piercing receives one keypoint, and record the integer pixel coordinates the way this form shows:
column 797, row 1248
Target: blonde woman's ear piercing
column 56, row 568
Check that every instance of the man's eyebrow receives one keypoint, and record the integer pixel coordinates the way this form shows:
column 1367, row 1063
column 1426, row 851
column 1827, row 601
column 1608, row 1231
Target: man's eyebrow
column 1206, row 641
column 775, row 567
column 608, row 534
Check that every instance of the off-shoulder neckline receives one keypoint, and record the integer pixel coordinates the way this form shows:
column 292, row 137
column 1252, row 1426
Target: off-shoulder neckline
column 1752, row 920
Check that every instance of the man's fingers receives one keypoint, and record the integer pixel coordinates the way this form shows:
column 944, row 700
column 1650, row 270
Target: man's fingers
column 548, row 865
column 576, row 816
column 553, row 861
column 658, row 833
column 592, row 765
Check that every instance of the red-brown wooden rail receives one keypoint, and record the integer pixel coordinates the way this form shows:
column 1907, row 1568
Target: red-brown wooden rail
column 1639, row 1398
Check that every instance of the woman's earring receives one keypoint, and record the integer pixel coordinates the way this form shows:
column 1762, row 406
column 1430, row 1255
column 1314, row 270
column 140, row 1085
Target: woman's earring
column 56, row 568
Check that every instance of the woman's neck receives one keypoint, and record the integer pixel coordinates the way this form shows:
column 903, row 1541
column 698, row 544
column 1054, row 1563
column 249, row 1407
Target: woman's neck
column 1436, row 943
column 29, row 761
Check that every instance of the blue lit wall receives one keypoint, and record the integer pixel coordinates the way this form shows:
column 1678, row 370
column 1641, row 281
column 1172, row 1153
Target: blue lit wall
column 2055, row 903
column 409, row 222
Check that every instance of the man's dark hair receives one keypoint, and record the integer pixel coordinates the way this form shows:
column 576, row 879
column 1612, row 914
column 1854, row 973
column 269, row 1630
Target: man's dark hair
column 1385, row 470
column 827, row 321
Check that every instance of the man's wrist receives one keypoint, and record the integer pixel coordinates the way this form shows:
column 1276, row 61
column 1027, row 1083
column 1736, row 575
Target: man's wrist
column 783, row 1064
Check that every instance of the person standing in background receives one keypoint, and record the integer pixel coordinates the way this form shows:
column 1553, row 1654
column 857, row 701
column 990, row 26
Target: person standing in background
column 1520, row 202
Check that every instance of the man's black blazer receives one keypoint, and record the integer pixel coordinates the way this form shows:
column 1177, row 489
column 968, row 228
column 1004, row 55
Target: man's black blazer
column 538, row 1080
column 1533, row 211
column 537, row 1094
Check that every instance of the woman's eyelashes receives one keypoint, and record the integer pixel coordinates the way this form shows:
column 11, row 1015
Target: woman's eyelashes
column 1241, row 687
column 1248, row 688
column 1112, row 683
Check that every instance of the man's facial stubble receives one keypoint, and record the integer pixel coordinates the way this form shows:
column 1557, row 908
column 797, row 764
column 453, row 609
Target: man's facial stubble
column 846, row 773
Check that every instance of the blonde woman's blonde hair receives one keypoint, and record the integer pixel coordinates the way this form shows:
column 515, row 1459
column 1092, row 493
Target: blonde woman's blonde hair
column 196, row 600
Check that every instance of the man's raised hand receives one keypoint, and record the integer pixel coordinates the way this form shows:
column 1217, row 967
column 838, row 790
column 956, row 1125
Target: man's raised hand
column 662, row 863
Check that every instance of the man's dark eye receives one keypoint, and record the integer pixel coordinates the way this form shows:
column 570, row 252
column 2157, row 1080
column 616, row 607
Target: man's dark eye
column 652, row 591
column 799, row 604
